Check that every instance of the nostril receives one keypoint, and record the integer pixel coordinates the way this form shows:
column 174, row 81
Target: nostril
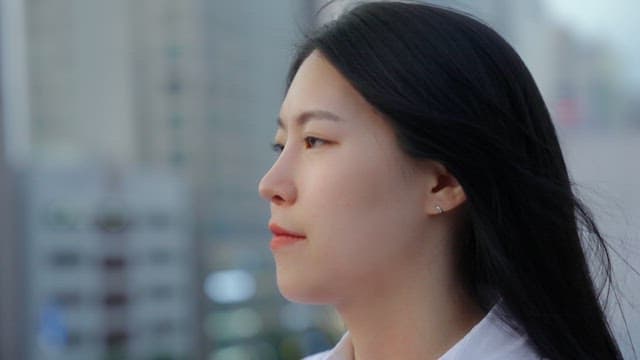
column 277, row 199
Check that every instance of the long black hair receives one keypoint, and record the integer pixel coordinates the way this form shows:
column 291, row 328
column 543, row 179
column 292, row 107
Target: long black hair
column 456, row 92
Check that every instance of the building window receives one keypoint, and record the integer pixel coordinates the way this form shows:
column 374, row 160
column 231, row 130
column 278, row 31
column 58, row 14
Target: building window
column 159, row 257
column 67, row 299
column 178, row 158
column 112, row 221
column 161, row 292
column 65, row 259
column 114, row 263
column 59, row 218
column 174, row 52
column 159, row 220
column 174, row 85
column 115, row 299
column 116, row 338
column 162, row 328
column 176, row 121
column 74, row 338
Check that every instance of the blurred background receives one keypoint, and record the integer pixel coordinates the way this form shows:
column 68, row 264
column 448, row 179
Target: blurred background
column 133, row 134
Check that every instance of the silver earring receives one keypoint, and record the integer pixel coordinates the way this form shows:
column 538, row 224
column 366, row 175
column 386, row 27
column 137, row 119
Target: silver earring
column 440, row 211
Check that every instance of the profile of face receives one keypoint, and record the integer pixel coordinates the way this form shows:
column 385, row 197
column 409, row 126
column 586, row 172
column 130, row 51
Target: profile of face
column 341, row 179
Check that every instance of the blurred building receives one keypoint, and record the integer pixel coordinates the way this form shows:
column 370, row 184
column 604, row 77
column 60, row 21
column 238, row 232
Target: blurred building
column 208, row 78
column 90, row 291
column 191, row 88
column 109, row 264
column 11, row 279
column 11, row 310
column 248, row 46
column 578, row 77
column 79, row 77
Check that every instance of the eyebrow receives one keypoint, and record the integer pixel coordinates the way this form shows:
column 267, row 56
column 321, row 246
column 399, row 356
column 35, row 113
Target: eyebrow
column 311, row 115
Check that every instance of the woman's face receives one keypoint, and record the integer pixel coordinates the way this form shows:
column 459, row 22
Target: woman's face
column 345, row 185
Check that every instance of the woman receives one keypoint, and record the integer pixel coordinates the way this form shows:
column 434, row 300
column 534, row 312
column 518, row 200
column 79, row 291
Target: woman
column 420, row 189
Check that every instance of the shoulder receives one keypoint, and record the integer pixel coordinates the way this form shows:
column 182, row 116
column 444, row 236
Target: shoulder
column 342, row 351
column 493, row 339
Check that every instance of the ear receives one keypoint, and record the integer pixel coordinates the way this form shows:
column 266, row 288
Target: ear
column 444, row 192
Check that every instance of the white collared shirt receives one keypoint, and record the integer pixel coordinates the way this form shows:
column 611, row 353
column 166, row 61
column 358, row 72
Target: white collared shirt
column 489, row 339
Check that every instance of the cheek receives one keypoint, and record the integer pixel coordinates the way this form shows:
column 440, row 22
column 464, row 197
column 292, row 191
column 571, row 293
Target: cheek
column 344, row 191
column 360, row 210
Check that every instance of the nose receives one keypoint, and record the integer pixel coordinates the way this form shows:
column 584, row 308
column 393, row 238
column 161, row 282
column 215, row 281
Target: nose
column 277, row 185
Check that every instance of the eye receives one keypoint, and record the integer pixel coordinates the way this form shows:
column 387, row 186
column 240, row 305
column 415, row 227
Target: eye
column 310, row 141
column 277, row 147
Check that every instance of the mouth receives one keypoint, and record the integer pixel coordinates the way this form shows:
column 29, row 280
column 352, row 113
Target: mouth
column 283, row 237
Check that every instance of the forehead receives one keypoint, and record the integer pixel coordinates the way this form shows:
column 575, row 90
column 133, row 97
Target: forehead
column 317, row 85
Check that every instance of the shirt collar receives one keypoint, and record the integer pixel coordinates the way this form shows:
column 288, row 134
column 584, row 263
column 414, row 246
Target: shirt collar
column 343, row 350
column 488, row 338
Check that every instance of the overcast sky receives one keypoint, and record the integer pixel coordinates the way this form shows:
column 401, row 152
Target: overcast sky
column 614, row 21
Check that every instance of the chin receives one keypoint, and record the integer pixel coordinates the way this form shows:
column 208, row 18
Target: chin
column 296, row 289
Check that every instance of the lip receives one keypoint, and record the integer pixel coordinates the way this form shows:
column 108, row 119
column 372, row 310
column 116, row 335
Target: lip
column 283, row 237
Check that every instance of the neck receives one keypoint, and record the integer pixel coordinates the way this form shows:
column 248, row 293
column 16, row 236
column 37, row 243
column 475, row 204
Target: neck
column 415, row 312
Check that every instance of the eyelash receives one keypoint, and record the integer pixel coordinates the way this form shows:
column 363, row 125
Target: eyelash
column 278, row 148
